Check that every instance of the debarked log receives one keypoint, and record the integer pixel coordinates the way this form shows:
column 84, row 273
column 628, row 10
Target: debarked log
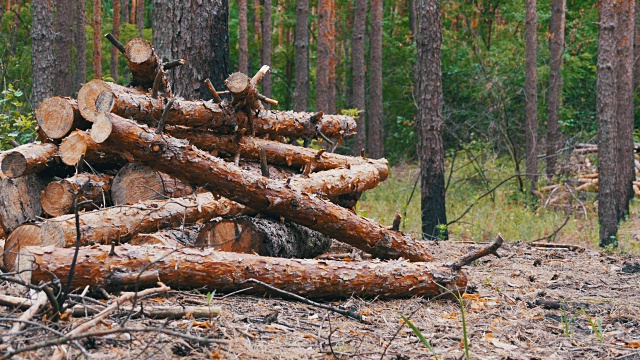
column 185, row 162
column 189, row 268
column 28, row 159
column 92, row 193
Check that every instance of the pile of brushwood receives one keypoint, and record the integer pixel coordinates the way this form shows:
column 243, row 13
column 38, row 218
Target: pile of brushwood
column 131, row 187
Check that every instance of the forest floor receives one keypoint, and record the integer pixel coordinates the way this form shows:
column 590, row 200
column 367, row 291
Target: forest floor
column 531, row 303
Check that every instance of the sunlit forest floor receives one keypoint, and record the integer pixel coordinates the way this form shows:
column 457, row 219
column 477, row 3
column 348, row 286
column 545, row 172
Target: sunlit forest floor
column 504, row 211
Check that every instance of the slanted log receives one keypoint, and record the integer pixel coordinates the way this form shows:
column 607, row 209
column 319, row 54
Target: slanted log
column 80, row 143
column 57, row 197
column 144, row 64
column 135, row 183
column 58, row 116
column 28, row 159
column 19, row 200
column 23, row 235
column 262, row 236
column 277, row 198
column 189, row 268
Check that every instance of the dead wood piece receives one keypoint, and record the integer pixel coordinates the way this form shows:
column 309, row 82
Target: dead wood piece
column 185, row 162
column 557, row 246
column 178, row 312
column 23, row 235
column 57, row 197
column 101, row 128
column 472, row 256
column 79, row 143
column 243, row 91
column 58, row 116
column 89, row 92
column 20, row 200
column 144, row 63
column 169, row 237
column 187, row 268
column 32, row 311
column 135, row 183
column 262, row 236
column 28, row 159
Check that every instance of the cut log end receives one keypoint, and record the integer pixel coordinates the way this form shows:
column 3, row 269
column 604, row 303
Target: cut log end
column 101, row 128
column 73, row 147
column 23, row 235
column 14, row 164
column 237, row 83
column 88, row 95
column 57, row 116
column 135, row 183
column 54, row 199
column 139, row 50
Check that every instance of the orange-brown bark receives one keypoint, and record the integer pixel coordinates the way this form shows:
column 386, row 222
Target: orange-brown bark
column 28, row 159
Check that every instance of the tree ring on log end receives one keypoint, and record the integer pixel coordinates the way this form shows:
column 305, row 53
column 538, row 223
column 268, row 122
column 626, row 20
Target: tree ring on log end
column 55, row 117
column 73, row 147
column 53, row 198
column 23, row 235
column 139, row 50
column 88, row 95
column 135, row 183
column 101, row 128
column 14, row 164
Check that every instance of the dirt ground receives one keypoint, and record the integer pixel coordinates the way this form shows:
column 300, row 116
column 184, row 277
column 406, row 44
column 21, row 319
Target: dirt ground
column 532, row 303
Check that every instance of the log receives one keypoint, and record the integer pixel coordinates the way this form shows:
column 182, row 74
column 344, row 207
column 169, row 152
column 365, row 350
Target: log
column 80, row 143
column 144, row 64
column 243, row 90
column 58, row 116
column 28, row 159
column 262, row 236
column 221, row 117
column 169, row 237
column 189, row 268
column 2, row 242
column 179, row 159
column 23, row 235
column 57, row 197
column 20, row 200
column 135, row 183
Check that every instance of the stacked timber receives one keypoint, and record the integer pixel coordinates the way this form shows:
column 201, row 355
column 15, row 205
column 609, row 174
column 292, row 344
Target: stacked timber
column 138, row 181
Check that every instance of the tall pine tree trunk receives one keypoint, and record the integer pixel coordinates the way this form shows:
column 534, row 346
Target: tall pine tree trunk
column 301, row 93
column 116, row 32
column 325, row 58
column 531, row 93
column 80, row 75
column 358, row 73
column 63, row 47
column 556, row 48
column 243, row 38
column 42, row 45
column 199, row 32
column 266, row 46
column 97, row 39
column 430, row 121
column 606, row 114
column 140, row 16
column 375, row 139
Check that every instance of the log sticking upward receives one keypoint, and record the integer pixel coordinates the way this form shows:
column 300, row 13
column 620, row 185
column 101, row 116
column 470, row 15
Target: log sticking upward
column 57, row 197
column 58, row 116
column 224, row 272
column 144, row 64
column 28, row 159
column 187, row 163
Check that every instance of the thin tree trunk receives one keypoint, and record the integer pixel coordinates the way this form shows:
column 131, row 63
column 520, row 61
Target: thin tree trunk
column 606, row 114
column 81, row 46
column 116, row 33
column 97, row 39
column 266, row 46
column 243, row 37
column 556, row 48
column 199, row 32
column 63, row 46
column 325, row 55
column 531, row 94
column 301, row 93
column 624, row 107
column 140, row 16
column 431, row 125
column 133, row 12
column 358, row 73
column 375, row 138
column 42, row 44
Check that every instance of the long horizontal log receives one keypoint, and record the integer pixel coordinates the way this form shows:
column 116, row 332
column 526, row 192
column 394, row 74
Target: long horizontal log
column 221, row 117
column 28, row 159
column 189, row 268
column 185, row 162
column 58, row 116
column 57, row 197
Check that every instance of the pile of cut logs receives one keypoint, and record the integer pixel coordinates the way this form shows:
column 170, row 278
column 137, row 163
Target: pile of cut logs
column 129, row 186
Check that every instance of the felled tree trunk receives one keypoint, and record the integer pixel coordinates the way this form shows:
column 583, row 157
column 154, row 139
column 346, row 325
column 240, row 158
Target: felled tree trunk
column 79, row 143
column 19, row 200
column 189, row 268
column 58, row 116
column 187, row 163
column 135, row 183
column 28, row 159
column 57, row 197
column 90, row 91
column 169, row 237
column 23, row 235
column 144, row 64
column 263, row 236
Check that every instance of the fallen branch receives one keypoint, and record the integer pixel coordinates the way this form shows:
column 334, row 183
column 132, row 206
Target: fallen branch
column 472, row 256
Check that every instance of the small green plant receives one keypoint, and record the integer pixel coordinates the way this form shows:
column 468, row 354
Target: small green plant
column 465, row 337
column 418, row 333
column 566, row 322
column 595, row 324
column 443, row 231
column 16, row 121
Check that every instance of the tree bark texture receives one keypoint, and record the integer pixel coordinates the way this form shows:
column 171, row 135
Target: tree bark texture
column 97, row 39
column 243, row 38
column 176, row 238
column 113, row 67
column 358, row 73
column 139, row 15
column 607, row 129
column 301, row 93
column 326, row 58
column 624, row 108
column 199, row 32
column 78, row 144
column 57, row 198
column 28, row 159
column 42, row 44
column 375, row 137
column 262, row 236
column 20, row 199
column 189, row 268
column 136, row 183
column 266, row 45
column 531, row 94
column 144, row 65
column 80, row 76
column 63, row 46
column 556, row 49
column 58, row 116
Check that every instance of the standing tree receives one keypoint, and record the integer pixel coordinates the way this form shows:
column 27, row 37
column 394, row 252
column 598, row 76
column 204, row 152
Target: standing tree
column 79, row 39
column 116, row 32
column 375, row 139
column 301, row 93
column 430, row 121
column 606, row 114
column 63, row 47
column 556, row 48
column 358, row 73
column 203, row 42
column 42, row 45
column 97, row 39
column 266, row 45
column 139, row 15
column 531, row 94
column 326, row 61
column 243, row 38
